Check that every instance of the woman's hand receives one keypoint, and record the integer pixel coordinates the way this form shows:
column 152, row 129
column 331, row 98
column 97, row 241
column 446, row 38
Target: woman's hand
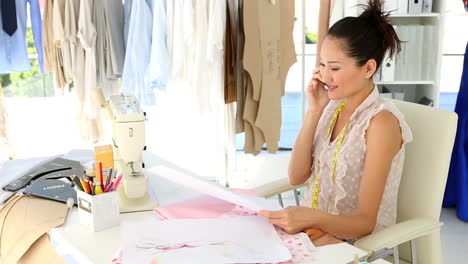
column 317, row 95
column 293, row 219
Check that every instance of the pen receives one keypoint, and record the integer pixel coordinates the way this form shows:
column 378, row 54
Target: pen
column 108, row 178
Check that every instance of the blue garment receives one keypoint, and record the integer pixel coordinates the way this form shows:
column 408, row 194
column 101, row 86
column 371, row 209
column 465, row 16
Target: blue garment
column 13, row 50
column 456, row 191
column 127, row 12
column 159, row 66
column 138, row 53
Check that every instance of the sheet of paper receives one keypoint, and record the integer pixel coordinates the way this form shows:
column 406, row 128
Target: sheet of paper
column 244, row 239
column 215, row 190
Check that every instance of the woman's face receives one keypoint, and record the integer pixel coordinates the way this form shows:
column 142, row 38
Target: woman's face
column 342, row 77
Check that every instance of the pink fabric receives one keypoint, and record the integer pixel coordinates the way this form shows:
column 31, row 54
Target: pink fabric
column 206, row 206
column 42, row 3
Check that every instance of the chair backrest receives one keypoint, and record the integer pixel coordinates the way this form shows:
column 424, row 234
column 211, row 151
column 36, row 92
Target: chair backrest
column 425, row 171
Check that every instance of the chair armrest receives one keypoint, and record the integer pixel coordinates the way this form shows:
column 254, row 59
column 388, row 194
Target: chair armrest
column 273, row 188
column 398, row 233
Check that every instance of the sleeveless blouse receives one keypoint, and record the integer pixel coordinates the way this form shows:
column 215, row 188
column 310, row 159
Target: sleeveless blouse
column 341, row 196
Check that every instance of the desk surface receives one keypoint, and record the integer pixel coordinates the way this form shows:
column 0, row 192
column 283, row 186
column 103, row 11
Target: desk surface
column 86, row 247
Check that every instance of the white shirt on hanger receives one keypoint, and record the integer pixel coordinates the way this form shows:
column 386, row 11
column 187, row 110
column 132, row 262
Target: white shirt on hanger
column 160, row 61
column 138, row 53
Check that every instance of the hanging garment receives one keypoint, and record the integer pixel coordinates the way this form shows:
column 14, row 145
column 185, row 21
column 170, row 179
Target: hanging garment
column 200, row 82
column 252, row 62
column 53, row 57
column 269, row 111
column 179, row 49
column 89, row 128
column 127, row 14
column 288, row 52
column 138, row 53
column 336, row 11
column 170, row 25
column 8, row 12
column 100, row 27
column 87, row 35
column 160, row 62
column 115, row 46
column 240, row 71
column 254, row 138
column 72, row 12
column 323, row 25
column 252, row 51
column 230, row 49
column 48, row 37
column 13, row 50
column 456, row 191
column 182, row 41
column 104, row 21
column 189, row 26
column 268, row 73
column 62, row 47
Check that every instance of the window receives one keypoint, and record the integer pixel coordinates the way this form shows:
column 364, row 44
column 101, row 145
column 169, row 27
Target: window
column 38, row 122
column 455, row 41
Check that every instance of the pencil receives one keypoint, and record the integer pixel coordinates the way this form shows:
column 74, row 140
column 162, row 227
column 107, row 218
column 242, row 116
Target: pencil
column 92, row 188
column 117, row 182
column 84, row 185
column 109, row 187
column 88, row 186
column 76, row 182
column 100, row 175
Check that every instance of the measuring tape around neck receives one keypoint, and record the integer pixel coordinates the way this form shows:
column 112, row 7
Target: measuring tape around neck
column 335, row 156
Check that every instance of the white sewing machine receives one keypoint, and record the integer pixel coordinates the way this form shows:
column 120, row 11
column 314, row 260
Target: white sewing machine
column 128, row 125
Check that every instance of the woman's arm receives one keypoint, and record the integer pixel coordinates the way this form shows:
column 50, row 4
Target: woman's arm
column 383, row 140
column 301, row 157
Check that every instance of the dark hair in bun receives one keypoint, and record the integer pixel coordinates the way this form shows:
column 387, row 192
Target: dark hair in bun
column 368, row 36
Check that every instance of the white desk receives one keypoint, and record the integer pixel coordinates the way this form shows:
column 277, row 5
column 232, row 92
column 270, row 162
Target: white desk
column 99, row 247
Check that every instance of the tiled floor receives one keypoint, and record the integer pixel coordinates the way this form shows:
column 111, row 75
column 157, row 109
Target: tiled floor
column 454, row 237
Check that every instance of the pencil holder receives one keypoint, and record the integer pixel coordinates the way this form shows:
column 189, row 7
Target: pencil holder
column 98, row 212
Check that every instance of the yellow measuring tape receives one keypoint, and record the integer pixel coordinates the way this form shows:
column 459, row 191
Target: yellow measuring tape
column 337, row 149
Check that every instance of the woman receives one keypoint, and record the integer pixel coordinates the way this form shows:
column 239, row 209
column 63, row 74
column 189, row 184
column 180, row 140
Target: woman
column 354, row 162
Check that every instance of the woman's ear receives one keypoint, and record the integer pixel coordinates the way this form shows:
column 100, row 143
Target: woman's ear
column 370, row 68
